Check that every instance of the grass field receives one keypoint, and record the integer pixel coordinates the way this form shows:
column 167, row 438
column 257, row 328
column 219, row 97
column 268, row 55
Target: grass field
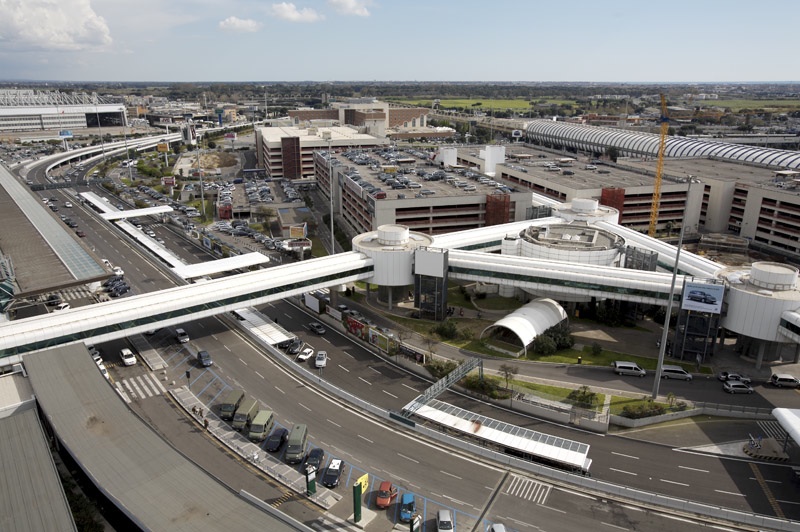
column 486, row 104
column 738, row 105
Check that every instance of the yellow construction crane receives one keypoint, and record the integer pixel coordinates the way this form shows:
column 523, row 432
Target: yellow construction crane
column 662, row 145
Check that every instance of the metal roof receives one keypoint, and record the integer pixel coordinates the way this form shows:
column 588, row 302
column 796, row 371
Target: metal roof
column 33, row 498
column 597, row 139
column 148, row 480
column 45, row 254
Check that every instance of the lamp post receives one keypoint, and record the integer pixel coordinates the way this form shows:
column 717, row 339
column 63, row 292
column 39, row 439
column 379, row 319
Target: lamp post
column 127, row 153
column 665, row 332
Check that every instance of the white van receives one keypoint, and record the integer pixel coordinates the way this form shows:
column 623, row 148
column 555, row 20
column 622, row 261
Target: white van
column 622, row 367
column 675, row 372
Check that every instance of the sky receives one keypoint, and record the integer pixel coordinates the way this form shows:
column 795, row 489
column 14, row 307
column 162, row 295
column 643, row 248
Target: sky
column 399, row 40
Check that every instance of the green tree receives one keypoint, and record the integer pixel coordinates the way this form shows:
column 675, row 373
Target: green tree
column 583, row 397
column 508, row 371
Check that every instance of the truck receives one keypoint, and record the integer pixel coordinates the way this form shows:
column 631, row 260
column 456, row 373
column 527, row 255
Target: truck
column 314, row 301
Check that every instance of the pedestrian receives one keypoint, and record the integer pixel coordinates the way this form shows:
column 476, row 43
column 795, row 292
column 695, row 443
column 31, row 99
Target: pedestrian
column 205, row 424
column 194, row 410
column 200, row 412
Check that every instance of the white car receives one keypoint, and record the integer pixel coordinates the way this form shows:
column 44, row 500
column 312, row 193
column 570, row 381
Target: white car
column 118, row 271
column 128, row 358
column 68, row 204
column 103, row 370
column 62, row 306
column 305, row 354
column 321, row 360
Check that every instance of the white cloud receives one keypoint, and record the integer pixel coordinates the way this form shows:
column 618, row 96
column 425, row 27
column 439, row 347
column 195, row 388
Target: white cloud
column 239, row 25
column 351, row 7
column 288, row 11
column 51, row 25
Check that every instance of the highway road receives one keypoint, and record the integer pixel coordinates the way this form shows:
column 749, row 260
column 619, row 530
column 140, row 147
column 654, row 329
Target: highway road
column 444, row 479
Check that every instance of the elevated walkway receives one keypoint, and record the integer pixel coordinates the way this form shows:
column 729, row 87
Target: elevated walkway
column 132, row 315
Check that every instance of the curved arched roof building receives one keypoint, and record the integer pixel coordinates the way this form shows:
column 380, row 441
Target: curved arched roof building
column 633, row 144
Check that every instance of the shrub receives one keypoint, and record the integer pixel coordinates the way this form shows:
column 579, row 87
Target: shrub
column 544, row 345
column 597, row 349
column 440, row 368
column 446, row 329
column 583, row 397
column 644, row 409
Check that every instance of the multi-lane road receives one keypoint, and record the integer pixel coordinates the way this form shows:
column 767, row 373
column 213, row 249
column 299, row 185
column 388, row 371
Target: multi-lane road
column 476, row 492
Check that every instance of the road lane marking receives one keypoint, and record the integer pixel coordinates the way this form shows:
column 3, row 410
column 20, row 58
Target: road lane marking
column 375, row 370
column 304, row 406
column 389, row 394
column 334, row 423
column 407, row 458
column 673, row 482
column 280, row 390
column 409, row 387
column 730, row 493
column 229, row 350
column 613, row 526
column 554, row 509
column 625, row 455
column 365, row 439
column 694, row 469
column 450, row 475
column 242, row 361
column 348, row 354
column 621, row 471
column 344, row 368
column 259, row 374
column 365, row 380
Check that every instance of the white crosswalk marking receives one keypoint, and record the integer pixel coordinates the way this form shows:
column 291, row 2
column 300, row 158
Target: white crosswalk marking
column 528, row 489
column 121, row 392
column 140, row 387
column 135, row 385
column 143, row 383
column 128, row 386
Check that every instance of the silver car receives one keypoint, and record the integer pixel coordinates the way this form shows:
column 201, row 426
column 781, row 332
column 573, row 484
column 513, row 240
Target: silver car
column 737, row 387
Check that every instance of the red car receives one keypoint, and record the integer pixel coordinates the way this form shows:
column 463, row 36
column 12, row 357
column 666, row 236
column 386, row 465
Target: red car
column 386, row 492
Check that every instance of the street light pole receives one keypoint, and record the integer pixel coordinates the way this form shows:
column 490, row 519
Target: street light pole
column 665, row 331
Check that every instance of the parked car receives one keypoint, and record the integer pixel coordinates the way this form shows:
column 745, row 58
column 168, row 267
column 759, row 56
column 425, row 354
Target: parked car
column 316, row 327
column 305, row 354
column 80, row 233
column 127, row 356
column 386, row 493
column 784, row 380
column 321, row 360
column 737, row 387
column 295, row 347
column 333, row 474
column 276, row 440
column 315, row 457
column 730, row 376
column 182, row 336
column 53, row 300
column 118, row 271
column 408, row 507
column 204, row 359
column 62, row 306
column 283, row 344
